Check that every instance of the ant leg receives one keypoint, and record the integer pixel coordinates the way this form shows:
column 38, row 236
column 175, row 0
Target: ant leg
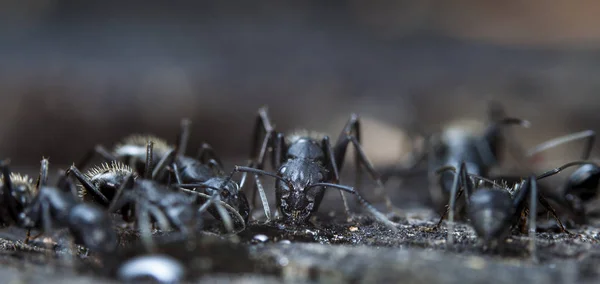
column 121, row 198
column 183, row 137
column 280, row 150
column 458, row 177
column 43, row 177
column 263, row 123
column 542, row 199
column 588, row 135
column 29, row 238
column 258, row 153
column 67, row 184
column 97, row 150
column 144, row 224
column 88, row 185
column 263, row 197
column 439, row 223
column 361, row 159
column 532, row 216
column 227, row 222
column 528, row 186
column 352, row 128
column 176, row 173
column 39, row 208
column 148, row 164
column 328, row 150
column 167, row 159
column 163, row 221
column 258, row 184
column 206, row 152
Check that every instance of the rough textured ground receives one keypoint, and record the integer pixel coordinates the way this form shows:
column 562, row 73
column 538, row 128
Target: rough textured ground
column 331, row 251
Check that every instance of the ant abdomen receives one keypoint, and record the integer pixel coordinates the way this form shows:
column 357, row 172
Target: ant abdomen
column 490, row 211
column 107, row 178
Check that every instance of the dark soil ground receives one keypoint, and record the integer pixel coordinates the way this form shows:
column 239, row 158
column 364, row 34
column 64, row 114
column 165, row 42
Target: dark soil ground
column 327, row 250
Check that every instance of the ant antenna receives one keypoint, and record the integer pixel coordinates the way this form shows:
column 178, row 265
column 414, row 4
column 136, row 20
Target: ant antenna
column 378, row 215
column 183, row 137
column 589, row 134
column 218, row 203
column 258, row 172
column 567, row 165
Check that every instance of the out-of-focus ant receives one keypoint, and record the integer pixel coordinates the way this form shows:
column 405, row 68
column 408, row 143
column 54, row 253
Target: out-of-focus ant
column 118, row 188
column 471, row 142
column 131, row 151
column 44, row 207
column 494, row 210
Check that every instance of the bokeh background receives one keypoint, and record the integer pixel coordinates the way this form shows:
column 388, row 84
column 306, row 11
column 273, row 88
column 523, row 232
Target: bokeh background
column 77, row 73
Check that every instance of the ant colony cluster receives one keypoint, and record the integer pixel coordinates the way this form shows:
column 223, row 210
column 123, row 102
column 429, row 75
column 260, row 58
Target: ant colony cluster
column 155, row 186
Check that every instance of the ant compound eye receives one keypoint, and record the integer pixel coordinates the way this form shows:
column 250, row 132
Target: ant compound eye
column 283, row 186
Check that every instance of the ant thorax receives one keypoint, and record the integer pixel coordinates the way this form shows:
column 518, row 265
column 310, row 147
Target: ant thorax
column 135, row 145
column 458, row 142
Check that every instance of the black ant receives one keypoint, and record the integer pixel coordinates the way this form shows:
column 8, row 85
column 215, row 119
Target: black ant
column 130, row 151
column 203, row 174
column 582, row 184
column 118, row 188
column 494, row 211
column 306, row 165
column 468, row 141
column 511, row 181
column 476, row 145
column 39, row 206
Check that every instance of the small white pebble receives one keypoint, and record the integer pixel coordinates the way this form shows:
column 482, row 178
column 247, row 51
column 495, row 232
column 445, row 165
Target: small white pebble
column 283, row 261
column 261, row 238
column 287, row 242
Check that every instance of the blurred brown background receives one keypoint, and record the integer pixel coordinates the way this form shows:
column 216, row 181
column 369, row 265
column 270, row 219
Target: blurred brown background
column 73, row 74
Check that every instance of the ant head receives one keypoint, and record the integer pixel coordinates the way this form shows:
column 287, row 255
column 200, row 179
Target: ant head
column 491, row 211
column 107, row 178
column 229, row 193
column 24, row 190
column 296, row 198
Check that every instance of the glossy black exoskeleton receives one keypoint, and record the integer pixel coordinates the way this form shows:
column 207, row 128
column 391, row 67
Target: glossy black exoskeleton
column 45, row 207
column 581, row 187
column 471, row 142
column 203, row 174
column 494, row 210
column 477, row 145
column 306, row 165
column 118, row 188
column 131, row 151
